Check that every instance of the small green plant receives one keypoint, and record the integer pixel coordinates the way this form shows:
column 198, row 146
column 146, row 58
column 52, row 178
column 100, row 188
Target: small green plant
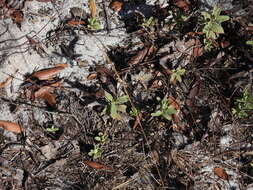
column 134, row 112
column 212, row 25
column 96, row 152
column 165, row 110
column 101, row 138
column 177, row 18
column 115, row 105
column 243, row 105
column 52, row 129
column 250, row 43
column 148, row 23
column 177, row 74
column 94, row 24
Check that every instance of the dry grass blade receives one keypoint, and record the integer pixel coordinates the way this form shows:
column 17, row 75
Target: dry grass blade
column 46, row 74
column 93, row 8
column 220, row 172
column 10, row 126
column 97, row 165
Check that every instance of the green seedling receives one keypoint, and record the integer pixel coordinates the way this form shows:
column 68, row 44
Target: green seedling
column 243, row 105
column 134, row 112
column 250, row 43
column 177, row 75
column 101, row 138
column 94, row 24
column 177, row 18
column 148, row 23
column 115, row 106
column 165, row 110
column 52, row 129
column 212, row 25
column 96, row 152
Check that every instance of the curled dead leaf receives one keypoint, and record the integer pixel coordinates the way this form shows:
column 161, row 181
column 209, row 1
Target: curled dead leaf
column 182, row 4
column 220, row 172
column 17, row 17
column 97, row 165
column 116, row 5
column 42, row 91
column 92, row 76
column 10, row 126
column 93, row 8
column 75, row 22
column 46, row 74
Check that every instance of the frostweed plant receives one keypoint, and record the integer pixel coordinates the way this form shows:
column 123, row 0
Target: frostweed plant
column 165, row 110
column 243, row 105
column 212, row 26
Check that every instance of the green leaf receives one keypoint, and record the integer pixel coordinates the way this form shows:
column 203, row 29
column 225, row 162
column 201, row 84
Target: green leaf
column 122, row 108
column 97, row 138
column 156, row 114
column 121, row 100
column 113, row 111
column 108, row 97
column 217, row 28
column 216, row 12
column 222, row 18
column 249, row 42
column 168, row 117
column 171, row 110
column 206, row 15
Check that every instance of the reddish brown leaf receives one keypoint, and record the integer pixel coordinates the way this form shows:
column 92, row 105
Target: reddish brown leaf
column 116, row 6
column 220, row 172
column 197, row 50
column 182, row 4
column 46, row 74
column 137, row 120
column 17, row 17
column 92, row 76
column 75, row 22
column 10, row 126
column 102, row 70
column 42, row 91
column 49, row 98
column 173, row 102
column 139, row 57
column 97, row 165
column 93, row 8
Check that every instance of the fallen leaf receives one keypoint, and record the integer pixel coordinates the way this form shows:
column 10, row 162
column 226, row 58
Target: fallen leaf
column 36, row 46
column 42, row 91
column 49, row 98
column 182, row 4
column 137, row 120
column 17, row 17
column 46, row 74
column 197, row 50
column 173, row 102
column 220, row 172
column 93, row 8
column 74, row 22
column 116, row 5
column 92, row 76
column 139, row 57
column 97, row 165
column 10, row 126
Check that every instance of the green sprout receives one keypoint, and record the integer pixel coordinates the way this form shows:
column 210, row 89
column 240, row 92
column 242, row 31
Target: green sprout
column 148, row 23
column 243, row 105
column 250, row 43
column 165, row 110
column 115, row 105
column 212, row 26
column 177, row 74
column 101, row 138
column 96, row 152
column 94, row 24
column 52, row 129
column 177, row 18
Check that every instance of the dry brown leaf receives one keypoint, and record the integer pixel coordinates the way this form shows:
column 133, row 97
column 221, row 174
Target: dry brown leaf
column 49, row 98
column 220, row 172
column 197, row 50
column 97, row 165
column 10, row 126
column 116, row 6
column 93, row 8
column 75, row 22
column 173, row 102
column 5, row 82
column 44, row 89
column 182, row 4
column 92, row 76
column 137, row 120
column 17, row 17
column 46, row 74
column 139, row 57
